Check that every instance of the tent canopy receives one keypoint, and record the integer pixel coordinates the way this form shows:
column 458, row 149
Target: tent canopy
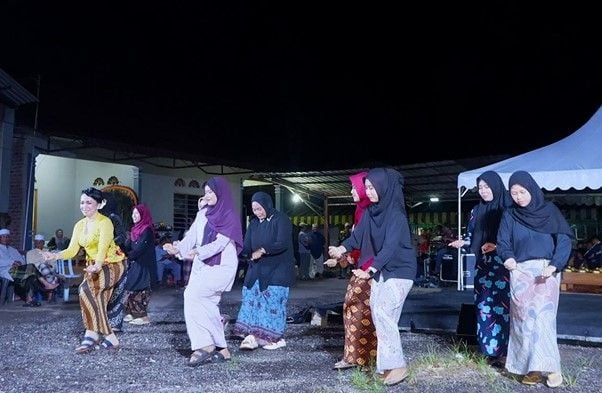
column 572, row 162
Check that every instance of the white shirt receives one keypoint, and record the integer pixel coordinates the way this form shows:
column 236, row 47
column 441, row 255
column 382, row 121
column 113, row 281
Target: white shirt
column 8, row 256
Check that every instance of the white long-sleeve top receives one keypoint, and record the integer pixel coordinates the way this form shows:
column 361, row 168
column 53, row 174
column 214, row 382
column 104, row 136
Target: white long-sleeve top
column 8, row 255
column 221, row 277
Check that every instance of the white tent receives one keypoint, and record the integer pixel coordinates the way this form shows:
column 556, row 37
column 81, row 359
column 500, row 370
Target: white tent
column 572, row 162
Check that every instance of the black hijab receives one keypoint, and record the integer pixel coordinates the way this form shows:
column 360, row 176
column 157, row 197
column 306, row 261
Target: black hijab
column 388, row 184
column 265, row 201
column 539, row 215
column 489, row 214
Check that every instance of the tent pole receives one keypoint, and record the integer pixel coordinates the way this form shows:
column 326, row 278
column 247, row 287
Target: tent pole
column 459, row 250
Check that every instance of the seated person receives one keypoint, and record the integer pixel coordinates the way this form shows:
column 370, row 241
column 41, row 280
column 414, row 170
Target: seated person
column 59, row 242
column 593, row 256
column 166, row 261
column 13, row 268
column 47, row 275
column 446, row 236
column 577, row 260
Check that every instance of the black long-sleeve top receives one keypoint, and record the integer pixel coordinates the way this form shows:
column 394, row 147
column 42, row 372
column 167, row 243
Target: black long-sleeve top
column 396, row 258
column 276, row 267
column 515, row 240
column 141, row 257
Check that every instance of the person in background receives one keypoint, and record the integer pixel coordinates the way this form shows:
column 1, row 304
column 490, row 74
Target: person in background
column 140, row 250
column 105, row 265
column 269, row 247
column 360, row 334
column 384, row 234
column 13, row 268
column 120, row 237
column 304, row 240
column 344, row 269
column 445, row 234
column 59, row 241
column 166, row 261
column 492, row 279
column 534, row 241
column 316, row 251
column 593, row 255
column 47, row 276
column 213, row 242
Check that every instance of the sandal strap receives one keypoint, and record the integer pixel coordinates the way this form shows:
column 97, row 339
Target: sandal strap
column 88, row 341
column 106, row 344
column 199, row 357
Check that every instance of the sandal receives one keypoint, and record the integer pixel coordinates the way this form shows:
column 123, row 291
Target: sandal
column 106, row 344
column 199, row 357
column 87, row 345
column 342, row 364
column 249, row 342
column 218, row 357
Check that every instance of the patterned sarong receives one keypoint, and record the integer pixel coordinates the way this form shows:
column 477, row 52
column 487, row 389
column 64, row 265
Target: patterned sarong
column 492, row 299
column 360, row 333
column 262, row 314
column 94, row 294
column 534, row 303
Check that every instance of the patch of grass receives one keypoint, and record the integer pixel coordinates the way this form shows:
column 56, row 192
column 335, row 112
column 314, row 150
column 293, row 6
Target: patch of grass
column 573, row 372
column 365, row 382
column 234, row 363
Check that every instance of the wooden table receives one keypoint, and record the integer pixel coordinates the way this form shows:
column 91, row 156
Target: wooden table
column 581, row 282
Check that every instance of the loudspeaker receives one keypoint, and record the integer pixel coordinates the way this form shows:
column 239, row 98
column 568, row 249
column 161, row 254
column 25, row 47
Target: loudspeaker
column 469, row 262
column 467, row 324
column 449, row 265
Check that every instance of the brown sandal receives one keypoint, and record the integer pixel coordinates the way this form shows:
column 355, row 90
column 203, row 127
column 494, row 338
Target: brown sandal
column 199, row 357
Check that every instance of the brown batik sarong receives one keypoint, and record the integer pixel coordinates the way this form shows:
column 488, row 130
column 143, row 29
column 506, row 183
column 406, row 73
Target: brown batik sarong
column 360, row 334
column 137, row 303
column 94, row 294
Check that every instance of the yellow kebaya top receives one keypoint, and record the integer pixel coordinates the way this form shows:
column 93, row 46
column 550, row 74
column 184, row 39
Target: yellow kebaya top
column 98, row 242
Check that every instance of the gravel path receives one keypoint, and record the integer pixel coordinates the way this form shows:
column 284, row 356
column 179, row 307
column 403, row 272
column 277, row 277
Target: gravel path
column 36, row 349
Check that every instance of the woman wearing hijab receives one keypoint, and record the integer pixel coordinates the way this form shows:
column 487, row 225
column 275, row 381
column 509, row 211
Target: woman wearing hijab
column 104, row 268
column 492, row 279
column 120, row 236
column 268, row 245
column 534, row 240
column 360, row 334
column 384, row 234
column 140, row 250
column 213, row 242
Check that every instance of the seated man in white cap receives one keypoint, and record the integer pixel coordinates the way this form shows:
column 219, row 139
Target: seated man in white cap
column 47, row 277
column 13, row 268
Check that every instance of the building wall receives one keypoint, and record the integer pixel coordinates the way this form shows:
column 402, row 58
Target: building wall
column 59, row 182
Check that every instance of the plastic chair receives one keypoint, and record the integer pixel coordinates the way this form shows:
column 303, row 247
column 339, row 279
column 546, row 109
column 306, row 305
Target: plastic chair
column 64, row 267
column 6, row 291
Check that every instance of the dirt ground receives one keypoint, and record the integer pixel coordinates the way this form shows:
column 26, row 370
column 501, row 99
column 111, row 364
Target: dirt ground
column 36, row 349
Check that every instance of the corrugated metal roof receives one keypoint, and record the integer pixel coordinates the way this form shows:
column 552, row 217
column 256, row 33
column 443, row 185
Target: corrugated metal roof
column 12, row 93
column 422, row 180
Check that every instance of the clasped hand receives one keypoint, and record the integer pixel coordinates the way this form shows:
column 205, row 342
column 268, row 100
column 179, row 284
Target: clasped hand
column 336, row 252
column 510, row 264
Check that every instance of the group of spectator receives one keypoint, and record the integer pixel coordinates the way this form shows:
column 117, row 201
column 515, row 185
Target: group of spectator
column 30, row 277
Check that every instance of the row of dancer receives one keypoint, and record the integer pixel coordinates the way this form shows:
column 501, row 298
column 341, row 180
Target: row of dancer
column 521, row 242
column 531, row 232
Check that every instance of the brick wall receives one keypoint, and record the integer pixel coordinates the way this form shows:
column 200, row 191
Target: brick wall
column 17, row 195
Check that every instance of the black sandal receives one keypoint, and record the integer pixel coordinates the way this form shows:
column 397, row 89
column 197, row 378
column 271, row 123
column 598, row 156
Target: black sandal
column 199, row 357
column 87, row 345
column 218, row 357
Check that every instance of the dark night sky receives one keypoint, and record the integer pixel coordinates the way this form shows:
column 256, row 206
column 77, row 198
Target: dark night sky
column 290, row 84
